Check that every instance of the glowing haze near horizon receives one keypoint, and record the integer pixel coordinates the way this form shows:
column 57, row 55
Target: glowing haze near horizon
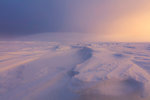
column 99, row 20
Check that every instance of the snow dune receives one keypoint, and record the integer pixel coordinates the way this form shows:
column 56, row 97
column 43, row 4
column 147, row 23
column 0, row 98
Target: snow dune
column 112, row 74
column 85, row 71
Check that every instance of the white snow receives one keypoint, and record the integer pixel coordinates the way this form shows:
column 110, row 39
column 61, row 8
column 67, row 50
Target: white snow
column 83, row 71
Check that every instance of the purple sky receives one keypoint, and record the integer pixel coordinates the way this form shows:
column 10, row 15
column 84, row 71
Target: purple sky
column 24, row 17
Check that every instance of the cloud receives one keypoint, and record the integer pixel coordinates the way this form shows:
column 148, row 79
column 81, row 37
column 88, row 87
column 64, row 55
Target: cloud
column 94, row 18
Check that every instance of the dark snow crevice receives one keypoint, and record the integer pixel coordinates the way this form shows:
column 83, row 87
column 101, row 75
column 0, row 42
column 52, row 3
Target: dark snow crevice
column 84, row 53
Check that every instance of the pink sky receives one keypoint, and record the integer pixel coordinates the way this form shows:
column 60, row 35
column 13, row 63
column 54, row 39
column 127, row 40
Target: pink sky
column 115, row 20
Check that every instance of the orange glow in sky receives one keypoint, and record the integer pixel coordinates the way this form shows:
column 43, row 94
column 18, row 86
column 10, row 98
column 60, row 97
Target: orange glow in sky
column 135, row 27
column 129, row 27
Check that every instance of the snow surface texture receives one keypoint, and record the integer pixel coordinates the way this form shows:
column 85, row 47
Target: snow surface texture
column 91, row 71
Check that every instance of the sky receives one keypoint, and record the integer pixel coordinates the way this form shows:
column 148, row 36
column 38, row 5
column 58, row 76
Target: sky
column 104, row 20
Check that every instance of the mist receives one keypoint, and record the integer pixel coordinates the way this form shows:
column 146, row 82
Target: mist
column 97, row 20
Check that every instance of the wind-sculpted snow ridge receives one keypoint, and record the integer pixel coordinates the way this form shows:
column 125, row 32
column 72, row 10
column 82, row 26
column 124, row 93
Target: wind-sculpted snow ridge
column 83, row 71
column 111, row 73
column 33, row 70
column 84, row 53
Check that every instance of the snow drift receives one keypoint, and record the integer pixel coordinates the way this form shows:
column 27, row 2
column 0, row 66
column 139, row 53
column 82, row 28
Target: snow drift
column 85, row 71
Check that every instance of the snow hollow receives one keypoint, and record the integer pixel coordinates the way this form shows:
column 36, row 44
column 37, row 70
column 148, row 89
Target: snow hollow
column 85, row 71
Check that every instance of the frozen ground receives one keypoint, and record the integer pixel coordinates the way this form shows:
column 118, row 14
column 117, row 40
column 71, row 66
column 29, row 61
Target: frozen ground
column 85, row 71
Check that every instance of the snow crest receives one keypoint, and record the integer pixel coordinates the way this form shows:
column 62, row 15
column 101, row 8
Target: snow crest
column 110, row 74
column 83, row 71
